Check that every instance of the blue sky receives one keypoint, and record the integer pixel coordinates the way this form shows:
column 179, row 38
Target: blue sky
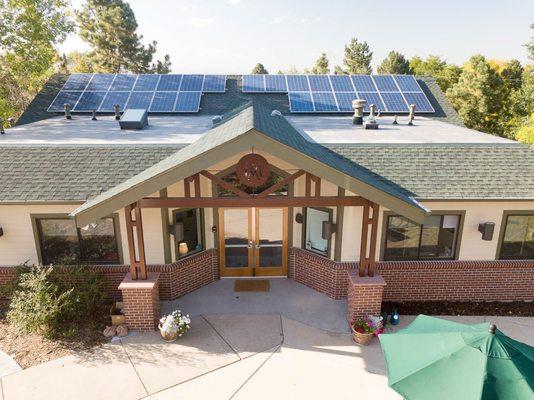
column 231, row 36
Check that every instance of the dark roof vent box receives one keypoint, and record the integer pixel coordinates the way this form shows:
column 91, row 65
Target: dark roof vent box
column 134, row 119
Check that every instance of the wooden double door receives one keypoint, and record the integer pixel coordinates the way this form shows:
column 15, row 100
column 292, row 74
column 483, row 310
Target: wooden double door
column 253, row 241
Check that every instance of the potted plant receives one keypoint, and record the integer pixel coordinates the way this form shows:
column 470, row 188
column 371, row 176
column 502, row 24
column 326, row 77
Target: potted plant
column 364, row 329
column 173, row 325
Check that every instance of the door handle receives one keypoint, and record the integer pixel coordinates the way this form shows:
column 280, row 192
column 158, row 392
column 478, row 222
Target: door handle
column 250, row 244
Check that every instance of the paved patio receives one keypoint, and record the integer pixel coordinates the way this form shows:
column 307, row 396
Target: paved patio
column 286, row 297
column 261, row 356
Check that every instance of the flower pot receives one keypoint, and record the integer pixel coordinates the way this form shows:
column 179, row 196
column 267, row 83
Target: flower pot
column 168, row 336
column 361, row 338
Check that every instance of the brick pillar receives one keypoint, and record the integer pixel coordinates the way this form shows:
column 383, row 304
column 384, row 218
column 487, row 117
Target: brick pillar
column 364, row 295
column 141, row 301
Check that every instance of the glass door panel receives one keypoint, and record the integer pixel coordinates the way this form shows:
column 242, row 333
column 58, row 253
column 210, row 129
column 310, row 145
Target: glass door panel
column 235, row 242
column 270, row 244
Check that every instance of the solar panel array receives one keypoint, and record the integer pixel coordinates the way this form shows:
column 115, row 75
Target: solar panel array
column 335, row 93
column 170, row 93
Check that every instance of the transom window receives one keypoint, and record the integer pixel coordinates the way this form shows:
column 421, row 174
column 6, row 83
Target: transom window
column 518, row 238
column 61, row 242
column 188, row 232
column 435, row 239
column 313, row 230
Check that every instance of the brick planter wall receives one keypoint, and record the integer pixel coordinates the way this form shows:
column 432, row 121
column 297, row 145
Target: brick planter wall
column 141, row 302
column 422, row 280
column 175, row 279
column 364, row 295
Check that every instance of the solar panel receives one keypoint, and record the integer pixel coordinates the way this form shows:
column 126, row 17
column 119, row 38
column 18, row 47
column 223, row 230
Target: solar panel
column 394, row 102
column 146, row 83
column 192, row 83
column 169, row 83
column 344, row 100
column 140, row 100
column 90, row 101
column 123, row 83
column 371, row 98
column 297, row 83
column 214, row 84
column 253, row 83
column 77, row 81
column 62, row 98
column 188, row 102
column 407, row 83
column 420, row 100
column 275, row 83
column 363, row 83
column 385, row 83
column 163, row 102
column 112, row 98
column 324, row 102
column 319, row 83
column 100, row 82
column 300, row 102
column 341, row 83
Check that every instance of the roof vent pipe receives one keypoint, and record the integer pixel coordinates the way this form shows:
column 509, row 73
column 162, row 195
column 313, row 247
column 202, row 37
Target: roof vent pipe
column 217, row 119
column 358, row 105
column 411, row 115
column 117, row 109
column 94, row 115
column 395, row 120
column 276, row 113
column 2, row 131
column 67, row 111
column 372, row 109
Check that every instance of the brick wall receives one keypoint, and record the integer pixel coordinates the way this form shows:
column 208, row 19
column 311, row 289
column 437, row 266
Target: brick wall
column 364, row 296
column 175, row 279
column 141, row 302
column 422, row 280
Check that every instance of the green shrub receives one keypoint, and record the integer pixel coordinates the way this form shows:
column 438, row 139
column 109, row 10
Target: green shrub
column 54, row 302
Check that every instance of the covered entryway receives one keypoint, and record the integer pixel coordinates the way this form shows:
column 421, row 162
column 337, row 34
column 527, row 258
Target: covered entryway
column 253, row 241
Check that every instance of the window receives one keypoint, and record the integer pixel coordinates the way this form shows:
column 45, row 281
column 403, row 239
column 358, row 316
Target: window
column 435, row 239
column 313, row 230
column 518, row 239
column 273, row 179
column 61, row 242
column 188, row 231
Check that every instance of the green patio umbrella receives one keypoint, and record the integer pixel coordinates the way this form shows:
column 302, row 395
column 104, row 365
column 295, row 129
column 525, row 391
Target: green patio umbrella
column 438, row 359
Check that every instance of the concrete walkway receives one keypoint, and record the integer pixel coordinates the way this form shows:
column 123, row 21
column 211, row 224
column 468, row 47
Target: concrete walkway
column 227, row 357
column 8, row 365
column 286, row 297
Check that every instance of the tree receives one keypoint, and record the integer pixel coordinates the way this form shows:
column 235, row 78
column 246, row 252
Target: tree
column 259, row 69
column 394, row 63
column 479, row 95
column 512, row 75
column 110, row 28
column 29, row 33
column 530, row 46
column 357, row 59
column 78, row 62
column 291, row 70
column 162, row 67
column 446, row 75
column 321, row 65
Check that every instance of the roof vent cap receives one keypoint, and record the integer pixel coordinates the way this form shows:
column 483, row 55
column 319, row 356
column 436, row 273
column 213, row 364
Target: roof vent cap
column 134, row 119
column 276, row 113
column 217, row 119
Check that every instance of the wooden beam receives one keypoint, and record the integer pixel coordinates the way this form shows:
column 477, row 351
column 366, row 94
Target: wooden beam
column 141, row 264
column 130, row 237
column 225, row 185
column 281, row 184
column 271, row 201
column 137, row 258
column 339, row 226
column 367, row 253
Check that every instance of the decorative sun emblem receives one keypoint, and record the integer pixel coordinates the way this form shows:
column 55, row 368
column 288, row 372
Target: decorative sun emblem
column 253, row 170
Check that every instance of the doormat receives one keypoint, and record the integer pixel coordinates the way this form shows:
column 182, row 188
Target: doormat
column 251, row 285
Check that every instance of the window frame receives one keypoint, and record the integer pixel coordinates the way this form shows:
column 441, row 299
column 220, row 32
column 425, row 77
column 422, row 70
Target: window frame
column 330, row 212
column 175, row 211
column 502, row 232
column 383, row 242
column 35, row 218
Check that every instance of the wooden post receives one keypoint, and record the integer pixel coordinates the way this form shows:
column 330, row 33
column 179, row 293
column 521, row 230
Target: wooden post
column 368, row 253
column 137, row 258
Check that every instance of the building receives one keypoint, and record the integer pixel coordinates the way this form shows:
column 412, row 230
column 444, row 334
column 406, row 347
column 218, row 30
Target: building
column 255, row 184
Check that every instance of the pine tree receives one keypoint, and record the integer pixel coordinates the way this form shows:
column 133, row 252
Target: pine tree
column 479, row 97
column 321, row 65
column 394, row 63
column 512, row 75
column 110, row 27
column 357, row 59
column 530, row 46
column 259, row 69
column 162, row 67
